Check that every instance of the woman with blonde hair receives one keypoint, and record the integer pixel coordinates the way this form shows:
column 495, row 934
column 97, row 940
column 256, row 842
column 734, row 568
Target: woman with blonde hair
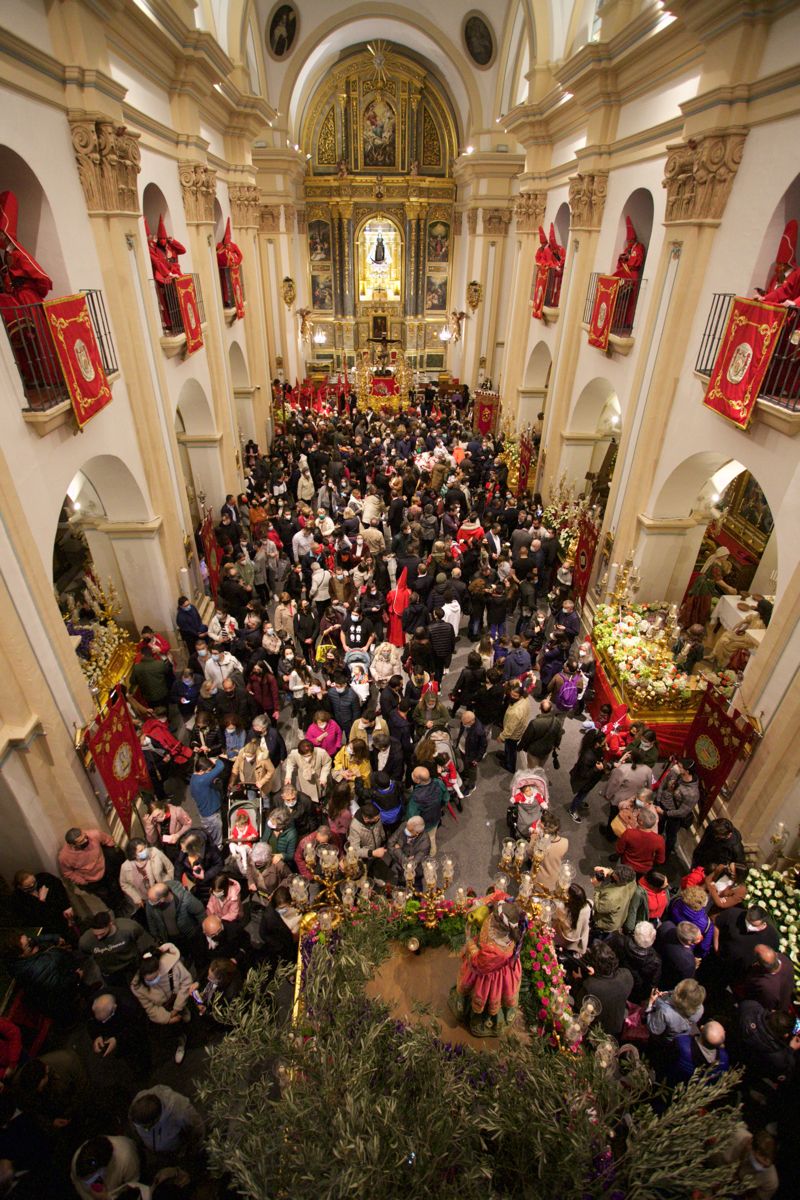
column 691, row 905
column 352, row 763
column 252, row 768
column 672, row 1014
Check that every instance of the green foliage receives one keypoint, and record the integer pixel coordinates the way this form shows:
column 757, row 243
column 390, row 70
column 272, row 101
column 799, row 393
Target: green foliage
column 353, row 1103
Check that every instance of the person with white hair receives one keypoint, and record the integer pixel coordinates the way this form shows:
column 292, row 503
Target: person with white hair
column 637, row 952
column 408, row 844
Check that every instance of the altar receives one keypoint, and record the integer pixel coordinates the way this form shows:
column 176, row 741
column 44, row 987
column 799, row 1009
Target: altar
column 731, row 611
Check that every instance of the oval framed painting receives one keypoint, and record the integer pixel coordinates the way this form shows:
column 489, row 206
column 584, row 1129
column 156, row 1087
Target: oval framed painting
column 281, row 31
column 479, row 40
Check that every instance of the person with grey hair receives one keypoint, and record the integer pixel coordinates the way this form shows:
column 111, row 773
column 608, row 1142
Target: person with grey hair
column 282, row 834
column 637, row 952
column 408, row 844
column 642, row 848
column 265, row 873
column 671, row 1014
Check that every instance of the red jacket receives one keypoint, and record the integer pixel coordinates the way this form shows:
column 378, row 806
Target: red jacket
column 641, row 849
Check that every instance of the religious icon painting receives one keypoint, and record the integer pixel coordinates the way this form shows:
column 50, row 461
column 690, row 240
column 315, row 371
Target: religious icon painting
column 379, row 134
column 436, row 293
column 479, row 39
column 282, row 30
column 322, row 291
column 319, row 241
column 438, row 242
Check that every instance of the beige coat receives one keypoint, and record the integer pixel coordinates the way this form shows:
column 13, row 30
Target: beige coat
column 359, row 733
column 309, row 776
column 516, row 720
column 253, row 774
column 283, row 620
column 135, row 883
column 171, row 993
column 547, row 876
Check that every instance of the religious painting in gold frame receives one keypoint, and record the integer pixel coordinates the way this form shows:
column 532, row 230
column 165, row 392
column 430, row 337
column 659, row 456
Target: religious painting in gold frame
column 322, row 291
column 436, row 293
column 749, row 517
column 379, row 134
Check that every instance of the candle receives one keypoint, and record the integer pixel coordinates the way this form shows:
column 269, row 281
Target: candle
column 520, row 852
column 309, row 853
column 448, row 871
column 525, row 885
column 461, row 896
column 429, row 872
column 348, row 895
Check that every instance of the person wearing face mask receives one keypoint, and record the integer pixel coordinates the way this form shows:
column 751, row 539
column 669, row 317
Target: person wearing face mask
column 220, row 666
column 190, row 623
column 41, row 900
column 325, row 733
column 163, row 986
column 279, row 928
column 345, row 704
column 225, row 899
column 308, row 768
column 144, row 866
column 300, row 808
column 253, row 770
column 89, row 860
column 341, row 588
column 281, row 834
column 408, row 844
column 174, row 914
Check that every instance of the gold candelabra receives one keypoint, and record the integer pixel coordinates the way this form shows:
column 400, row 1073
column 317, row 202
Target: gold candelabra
column 431, row 894
column 340, row 883
column 534, row 899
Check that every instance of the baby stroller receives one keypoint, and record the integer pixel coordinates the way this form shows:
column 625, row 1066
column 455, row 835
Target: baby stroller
column 247, row 800
column 523, row 815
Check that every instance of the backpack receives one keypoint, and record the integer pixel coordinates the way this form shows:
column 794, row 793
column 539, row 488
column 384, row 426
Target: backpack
column 567, row 696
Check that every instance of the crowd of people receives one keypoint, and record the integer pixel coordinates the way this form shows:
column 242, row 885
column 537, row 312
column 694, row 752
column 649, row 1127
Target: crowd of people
column 318, row 706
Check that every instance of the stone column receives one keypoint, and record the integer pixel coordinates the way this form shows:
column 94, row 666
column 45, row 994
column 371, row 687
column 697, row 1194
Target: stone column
column 587, row 199
column 529, row 214
column 245, row 203
column 698, row 177
column 199, row 186
column 107, row 157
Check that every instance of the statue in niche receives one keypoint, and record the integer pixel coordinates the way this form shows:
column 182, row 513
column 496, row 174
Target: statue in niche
column 379, row 255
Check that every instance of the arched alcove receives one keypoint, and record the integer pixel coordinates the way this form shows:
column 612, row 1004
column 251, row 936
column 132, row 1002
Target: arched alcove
column 219, row 221
column 242, row 393
column 533, row 393
column 708, row 502
column 787, row 209
column 198, row 448
column 240, row 376
column 561, row 223
column 36, row 227
column 537, row 372
column 591, row 441
column 639, row 207
column 154, row 205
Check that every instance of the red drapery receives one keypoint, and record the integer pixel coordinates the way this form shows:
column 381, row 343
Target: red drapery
column 525, row 458
column 539, row 290
column 671, row 732
column 716, row 740
column 485, row 412
column 747, row 346
column 236, row 288
column 118, row 757
column 184, row 287
column 604, row 300
column 79, row 356
column 584, row 557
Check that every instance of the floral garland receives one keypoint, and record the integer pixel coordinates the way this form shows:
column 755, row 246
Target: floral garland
column 545, row 997
column 779, row 896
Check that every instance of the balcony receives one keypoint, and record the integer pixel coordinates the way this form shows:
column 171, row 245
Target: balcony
column 31, row 342
column 552, row 295
column 778, row 401
column 620, row 337
column 169, row 310
column 228, row 297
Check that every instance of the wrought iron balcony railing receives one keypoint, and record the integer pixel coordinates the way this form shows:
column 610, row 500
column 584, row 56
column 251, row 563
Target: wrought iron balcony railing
column 169, row 306
column 781, row 383
column 35, row 355
column 622, row 318
column 226, row 286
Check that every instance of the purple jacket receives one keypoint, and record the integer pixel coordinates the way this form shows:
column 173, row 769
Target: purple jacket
column 678, row 911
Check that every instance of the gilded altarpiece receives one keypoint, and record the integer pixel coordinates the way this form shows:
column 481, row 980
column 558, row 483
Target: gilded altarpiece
column 382, row 139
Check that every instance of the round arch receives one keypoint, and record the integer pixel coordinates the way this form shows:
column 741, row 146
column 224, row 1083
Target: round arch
column 240, row 377
column 640, row 208
column 593, row 400
column 198, row 448
column 537, row 372
column 591, row 440
column 561, row 222
column 195, row 409
column 154, row 206
column 787, row 208
column 314, row 57
column 36, row 226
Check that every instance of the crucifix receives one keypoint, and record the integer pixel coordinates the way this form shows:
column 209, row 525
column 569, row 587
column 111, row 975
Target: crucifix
column 384, row 342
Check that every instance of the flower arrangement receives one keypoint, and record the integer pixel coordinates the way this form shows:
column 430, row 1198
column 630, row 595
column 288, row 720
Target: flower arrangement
column 102, row 637
column 632, row 639
column 563, row 514
column 544, row 995
column 779, row 896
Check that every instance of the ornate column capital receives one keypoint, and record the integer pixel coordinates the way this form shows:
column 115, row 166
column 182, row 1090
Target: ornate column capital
column 199, row 188
column 108, row 160
column 699, row 175
column 472, row 220
column 587, row 199
column 496, row 221
column 245, row 204
column 529, row 210
column 270, row 218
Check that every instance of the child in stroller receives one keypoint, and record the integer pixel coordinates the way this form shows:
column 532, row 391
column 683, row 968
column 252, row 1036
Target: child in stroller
column 529, row 799
column 244, row 825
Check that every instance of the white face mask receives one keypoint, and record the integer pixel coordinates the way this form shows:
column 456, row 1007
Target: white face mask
column 152, row 982
column 755, row 1164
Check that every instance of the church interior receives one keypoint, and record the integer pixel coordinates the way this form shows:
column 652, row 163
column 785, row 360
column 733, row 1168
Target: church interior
column 569, row 226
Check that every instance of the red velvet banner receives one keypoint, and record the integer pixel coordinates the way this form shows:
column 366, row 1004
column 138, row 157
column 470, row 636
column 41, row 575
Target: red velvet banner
column 212, row 551
column 604, row 300
column 716, row 742
column 584, row 557
column 485, row 412
column 745, row 351
column 236, row 288
column 384, row 387
column 671, row 734
column 525, row 458
column 117, row 754
column 79, row 356
column 184, row 287
column 539, row 291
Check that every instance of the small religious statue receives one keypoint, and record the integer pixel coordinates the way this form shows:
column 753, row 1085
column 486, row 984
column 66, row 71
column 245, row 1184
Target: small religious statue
column 414, row 172
column 557, row 256
column 341, row 169
column 706, row 587
column 486, row 993
column 379, row 255
column 306, row 328
column 454, row 325
column 629, row 266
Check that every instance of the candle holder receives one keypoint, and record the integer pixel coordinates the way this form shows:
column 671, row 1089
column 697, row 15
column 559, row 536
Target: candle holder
column 535, row 900
column 340, row 885
column 431, row 894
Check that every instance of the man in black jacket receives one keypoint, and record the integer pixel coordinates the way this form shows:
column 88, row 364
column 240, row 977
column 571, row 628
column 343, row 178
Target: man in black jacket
column 387, row 755
column 543, row 735
column 443, row 643
column 473, row 748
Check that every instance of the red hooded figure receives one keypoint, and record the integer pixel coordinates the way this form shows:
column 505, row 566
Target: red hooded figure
column 556, row 249
column 158, row 260
column 170, row 247
column 22, row 280
column 629, row 267
column 397, row 602
column 228, row 253
column 544, row 257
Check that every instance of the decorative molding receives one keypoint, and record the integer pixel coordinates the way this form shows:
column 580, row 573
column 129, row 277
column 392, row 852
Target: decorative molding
column 245, row 202
column 699, row 175
column 496, row 221
column 289, row 216
column 472, row 220
column 587, row 199
column 109, row 161
column 457, row 220
column 300, row 214
column 270, row 218
column 529, row 211
column 199, row 188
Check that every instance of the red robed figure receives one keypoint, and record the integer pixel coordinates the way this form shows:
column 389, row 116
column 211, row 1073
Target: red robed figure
column 170, row 247
column 22, row 280
column 629, row 266
column 397, row 602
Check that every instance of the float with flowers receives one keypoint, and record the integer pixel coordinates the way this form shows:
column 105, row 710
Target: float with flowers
column 778, row 893
column 336, row 1095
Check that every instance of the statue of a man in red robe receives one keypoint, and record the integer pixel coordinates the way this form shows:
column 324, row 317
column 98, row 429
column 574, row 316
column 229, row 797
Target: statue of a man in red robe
column 228, row 253
column 557, row 256
column 22, row 280
column 170, row 247
column 629, row 266
column 544, row 257
column 158, row 260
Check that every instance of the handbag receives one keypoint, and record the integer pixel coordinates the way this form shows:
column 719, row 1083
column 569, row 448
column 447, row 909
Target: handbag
column 634, row 1027
column 618, row 826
